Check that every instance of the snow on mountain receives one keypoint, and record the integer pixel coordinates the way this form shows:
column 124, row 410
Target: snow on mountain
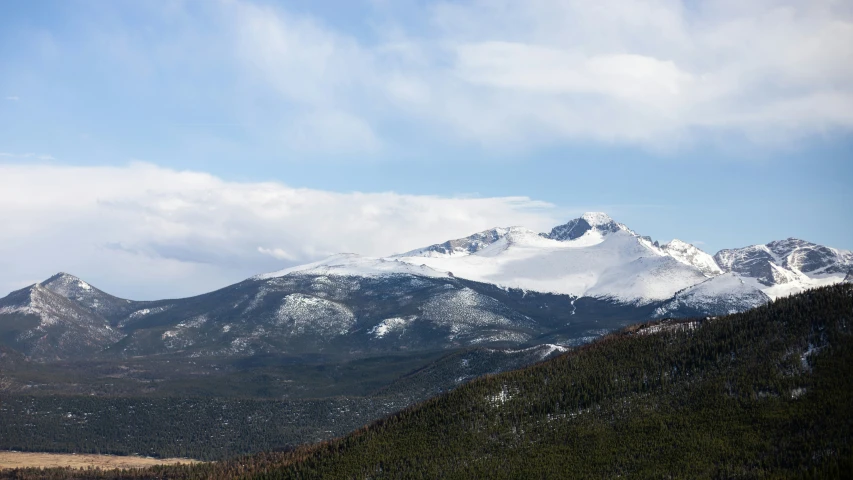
column 350, row 264
column 461, row 246
column 589, row 256
column 88, row 296
column 690, row 255
column 597, row 222
column 786, row 267
column 40, row 322
column 594, row 255
column 722, row 294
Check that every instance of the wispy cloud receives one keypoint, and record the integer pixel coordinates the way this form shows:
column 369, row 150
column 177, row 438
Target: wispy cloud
column 167, row 232
column 13, row 98
column 491, row 74
column 34, row 156
column 501, row 72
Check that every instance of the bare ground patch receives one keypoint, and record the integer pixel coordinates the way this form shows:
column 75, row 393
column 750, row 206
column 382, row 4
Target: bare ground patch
column 46, row 460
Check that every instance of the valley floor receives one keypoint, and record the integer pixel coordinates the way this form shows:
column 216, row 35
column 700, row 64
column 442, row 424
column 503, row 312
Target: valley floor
column 51, row 460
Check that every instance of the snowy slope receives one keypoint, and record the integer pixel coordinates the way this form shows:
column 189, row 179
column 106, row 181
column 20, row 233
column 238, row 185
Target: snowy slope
column 461, row 246
column 350, row 264
column 690, row 255
column 720, row 295
column 786, row 267
column 589, row 256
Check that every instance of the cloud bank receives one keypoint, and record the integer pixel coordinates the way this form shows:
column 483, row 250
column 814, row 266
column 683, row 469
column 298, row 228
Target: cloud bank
column 147, row 232
column 658, row 73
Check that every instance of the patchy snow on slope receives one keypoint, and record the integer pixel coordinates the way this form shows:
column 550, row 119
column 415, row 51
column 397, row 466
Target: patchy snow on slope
column 148, row 311
column 670, row 327
column 388, row 325
column 305, row 314
column 464, row 311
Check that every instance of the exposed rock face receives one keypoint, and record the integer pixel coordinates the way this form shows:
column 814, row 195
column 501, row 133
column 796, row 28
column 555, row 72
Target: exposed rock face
column 576, row 228
column 461, row 246
column 784, row 261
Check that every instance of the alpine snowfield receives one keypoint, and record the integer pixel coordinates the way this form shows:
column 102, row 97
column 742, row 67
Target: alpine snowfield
column 595, row 256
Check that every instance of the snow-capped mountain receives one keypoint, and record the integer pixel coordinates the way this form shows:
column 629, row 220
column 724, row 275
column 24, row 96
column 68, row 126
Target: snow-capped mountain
column 786, row 267
column 589, row 223
column 594, row 255
column 589, row 256
column 44, row 324
column 91, row 298
column 504, row 286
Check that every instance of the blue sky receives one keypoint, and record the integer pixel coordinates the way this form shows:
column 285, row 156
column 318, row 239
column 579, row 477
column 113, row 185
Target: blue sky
column 724, row 125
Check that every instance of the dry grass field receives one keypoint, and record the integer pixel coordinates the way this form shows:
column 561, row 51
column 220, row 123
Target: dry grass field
column 44, row 460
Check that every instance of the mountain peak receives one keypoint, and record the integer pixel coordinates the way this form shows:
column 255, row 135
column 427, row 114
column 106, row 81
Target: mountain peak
column 61, row 276
column 66, row 284
column 595, row 219
column 676, row 243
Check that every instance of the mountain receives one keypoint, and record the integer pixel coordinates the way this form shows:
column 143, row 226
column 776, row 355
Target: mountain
column 588, row 224
column 786, row 267
column 595, row 256
column 591, row 256
column 89, row 297
column 40, row 323
column 504, row 287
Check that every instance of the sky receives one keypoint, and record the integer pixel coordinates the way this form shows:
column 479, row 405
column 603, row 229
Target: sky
column 167, row 148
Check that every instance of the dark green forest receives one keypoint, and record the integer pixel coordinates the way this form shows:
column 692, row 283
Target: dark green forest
column 767, row 393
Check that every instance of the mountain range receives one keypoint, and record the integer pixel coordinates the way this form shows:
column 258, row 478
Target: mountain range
column 503, row 287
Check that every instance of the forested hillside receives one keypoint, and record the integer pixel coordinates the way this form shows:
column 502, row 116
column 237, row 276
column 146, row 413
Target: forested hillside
column 765, row 393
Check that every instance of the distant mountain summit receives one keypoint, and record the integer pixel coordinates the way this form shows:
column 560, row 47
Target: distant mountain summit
column 44, row 324
column 588, row 222
column 788, row 266
column 82, row 293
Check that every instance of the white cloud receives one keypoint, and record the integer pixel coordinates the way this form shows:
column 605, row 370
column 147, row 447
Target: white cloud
column 13, row 98
column 497, row 72
column 147, row 231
